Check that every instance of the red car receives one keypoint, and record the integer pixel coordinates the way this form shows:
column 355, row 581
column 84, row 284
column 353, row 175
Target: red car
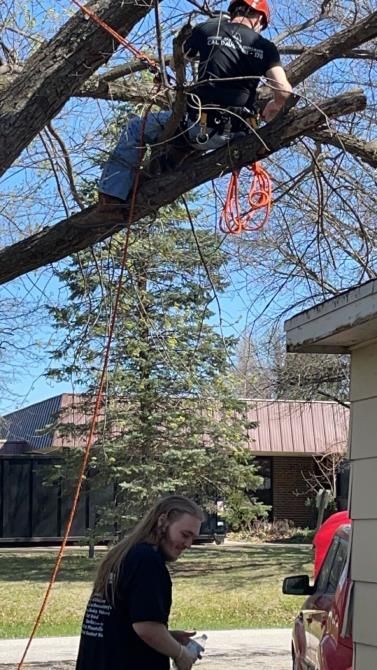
column 321, row 638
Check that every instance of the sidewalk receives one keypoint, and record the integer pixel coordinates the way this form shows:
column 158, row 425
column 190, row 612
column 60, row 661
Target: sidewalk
column 250, row 649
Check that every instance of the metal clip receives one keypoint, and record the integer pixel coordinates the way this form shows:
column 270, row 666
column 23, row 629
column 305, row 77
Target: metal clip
column 227, row 127
column 202, row 137
column 253, row 121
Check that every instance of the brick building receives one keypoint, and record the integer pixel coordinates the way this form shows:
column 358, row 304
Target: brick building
column 288, row 439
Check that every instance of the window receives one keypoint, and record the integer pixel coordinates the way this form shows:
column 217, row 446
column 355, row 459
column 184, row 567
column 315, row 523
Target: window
column 264, row 469
column 329, row 575
column 337, row 567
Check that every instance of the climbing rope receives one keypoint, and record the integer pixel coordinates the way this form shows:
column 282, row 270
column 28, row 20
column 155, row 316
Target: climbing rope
column 103, row 376
column 118, row 37
column 259, row 198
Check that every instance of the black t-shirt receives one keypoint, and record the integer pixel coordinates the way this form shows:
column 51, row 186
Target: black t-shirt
column 108, row 641
column 229, row 50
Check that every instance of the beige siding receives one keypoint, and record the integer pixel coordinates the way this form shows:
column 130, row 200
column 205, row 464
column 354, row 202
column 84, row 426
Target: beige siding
column 364, row 429
column 365, row 657
column 364, row 375
column 364, row 487
column 364, row 563
column 363, row 504
column 365, row 610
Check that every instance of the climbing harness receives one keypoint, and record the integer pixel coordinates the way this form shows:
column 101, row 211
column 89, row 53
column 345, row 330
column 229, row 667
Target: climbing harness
column 215, row 120
column 225, row 122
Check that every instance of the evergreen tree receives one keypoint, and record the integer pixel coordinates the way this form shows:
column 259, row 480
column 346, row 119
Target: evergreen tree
column 171, row 421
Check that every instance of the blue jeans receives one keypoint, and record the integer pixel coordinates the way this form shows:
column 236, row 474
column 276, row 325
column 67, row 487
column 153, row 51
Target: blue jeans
column 119, row 171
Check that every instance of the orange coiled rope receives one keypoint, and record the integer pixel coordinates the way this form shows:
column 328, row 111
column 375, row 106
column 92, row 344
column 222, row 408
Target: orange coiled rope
column 259, row 197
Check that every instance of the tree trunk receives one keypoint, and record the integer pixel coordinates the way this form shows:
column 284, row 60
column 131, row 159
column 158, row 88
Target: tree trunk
column 57, row 70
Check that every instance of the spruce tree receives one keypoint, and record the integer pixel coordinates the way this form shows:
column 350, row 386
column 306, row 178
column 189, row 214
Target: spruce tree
column 171, row 421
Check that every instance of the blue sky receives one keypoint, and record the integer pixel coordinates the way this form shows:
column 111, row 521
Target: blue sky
column 24, row 364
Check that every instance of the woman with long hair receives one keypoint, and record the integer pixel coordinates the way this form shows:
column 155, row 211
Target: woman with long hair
column 125, row 625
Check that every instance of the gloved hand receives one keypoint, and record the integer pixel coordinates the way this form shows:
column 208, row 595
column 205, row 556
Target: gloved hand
column 185, row 660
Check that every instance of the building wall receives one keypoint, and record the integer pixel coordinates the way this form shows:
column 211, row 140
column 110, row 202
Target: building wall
column 363, row 504
column 287, row 479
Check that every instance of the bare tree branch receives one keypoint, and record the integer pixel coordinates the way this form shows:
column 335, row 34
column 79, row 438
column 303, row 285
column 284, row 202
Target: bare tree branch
column 367, row 151
column 355, row 54
column 179, row 107
column 56, row 71
column 87, row 227
column 326, row 51
column 135, row 92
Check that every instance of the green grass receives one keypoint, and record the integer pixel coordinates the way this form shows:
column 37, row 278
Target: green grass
column 214, row 587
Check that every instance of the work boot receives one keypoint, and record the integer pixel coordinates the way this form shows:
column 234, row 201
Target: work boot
column 114, row 209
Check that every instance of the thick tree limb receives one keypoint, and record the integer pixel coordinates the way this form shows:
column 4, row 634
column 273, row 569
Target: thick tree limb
column 122, row 91
column 87, row 227
column 367, row 151
column 57, row 70
column 326, row 51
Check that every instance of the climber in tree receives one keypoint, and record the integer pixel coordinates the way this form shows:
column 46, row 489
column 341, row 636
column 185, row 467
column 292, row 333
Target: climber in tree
column 233, row 56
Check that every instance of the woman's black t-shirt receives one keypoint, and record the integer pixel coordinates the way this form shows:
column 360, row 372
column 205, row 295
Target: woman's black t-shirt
column 232, row 57
column 108, row 641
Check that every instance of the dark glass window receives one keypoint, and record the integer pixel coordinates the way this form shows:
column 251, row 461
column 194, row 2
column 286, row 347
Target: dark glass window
column 264, row 469
column 332, row 567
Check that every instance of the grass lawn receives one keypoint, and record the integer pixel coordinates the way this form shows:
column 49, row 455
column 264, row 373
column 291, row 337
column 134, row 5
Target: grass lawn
column 213, row 587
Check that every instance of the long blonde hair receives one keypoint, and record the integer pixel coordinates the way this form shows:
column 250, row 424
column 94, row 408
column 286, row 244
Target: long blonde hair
column 147, row 530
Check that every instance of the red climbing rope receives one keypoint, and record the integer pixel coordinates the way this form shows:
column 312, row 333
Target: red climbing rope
column 100, row 392
column 117, row 36
column 258, row 198
column 99, row 396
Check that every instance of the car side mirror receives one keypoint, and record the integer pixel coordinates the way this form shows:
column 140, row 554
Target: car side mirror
column 297, row 586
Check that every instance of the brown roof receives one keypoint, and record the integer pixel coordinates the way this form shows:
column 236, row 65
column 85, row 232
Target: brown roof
column 31, row 424
column 298, row 427
column 283, row 426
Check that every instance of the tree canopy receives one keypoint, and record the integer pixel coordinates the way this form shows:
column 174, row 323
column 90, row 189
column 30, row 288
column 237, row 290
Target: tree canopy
column 48, row 73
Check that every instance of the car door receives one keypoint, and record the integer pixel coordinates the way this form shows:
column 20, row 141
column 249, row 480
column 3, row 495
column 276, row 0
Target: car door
column 315, row 612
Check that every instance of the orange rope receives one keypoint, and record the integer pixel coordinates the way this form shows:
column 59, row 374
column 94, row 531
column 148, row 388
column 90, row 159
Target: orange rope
column 258, row 198
column 117, row 36
column 99, row 397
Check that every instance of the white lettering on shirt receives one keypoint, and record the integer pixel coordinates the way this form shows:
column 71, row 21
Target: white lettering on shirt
column 93, row 624
column 235, row 43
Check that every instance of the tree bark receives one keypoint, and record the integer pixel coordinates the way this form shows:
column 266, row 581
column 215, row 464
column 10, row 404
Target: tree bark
column 57, row 70
column 86, row 228
column 367, row 151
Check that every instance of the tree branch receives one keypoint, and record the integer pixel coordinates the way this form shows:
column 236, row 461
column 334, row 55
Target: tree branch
column 136, row 92
column 56, row 71
column 179, row 106
column 326, row 51
column 87, row 227
column 367, row 151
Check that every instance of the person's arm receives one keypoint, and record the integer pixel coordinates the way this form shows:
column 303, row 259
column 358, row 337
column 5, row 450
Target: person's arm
column 281, row 89
column 157, row 636
column 182, row 636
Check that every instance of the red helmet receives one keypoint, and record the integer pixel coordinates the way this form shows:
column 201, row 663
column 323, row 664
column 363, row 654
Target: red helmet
column 259, row 6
